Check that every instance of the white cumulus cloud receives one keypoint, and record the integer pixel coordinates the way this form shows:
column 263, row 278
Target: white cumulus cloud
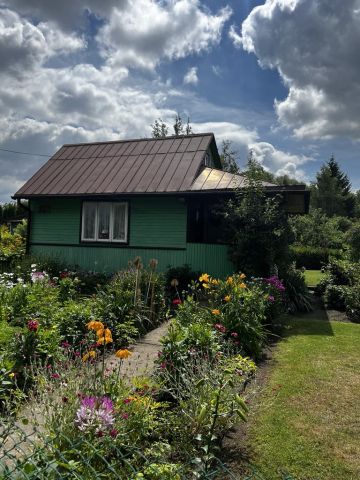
column 314, row 45
column 148, row 31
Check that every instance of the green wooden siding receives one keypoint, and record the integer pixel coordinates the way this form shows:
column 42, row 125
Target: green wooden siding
column 212, row 259
column 154, row 222
column 157, row 224
column 55, row 221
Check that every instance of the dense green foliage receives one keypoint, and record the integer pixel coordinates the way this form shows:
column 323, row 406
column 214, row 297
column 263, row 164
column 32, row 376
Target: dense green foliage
column 332, row 191
column 353, row 239
column 340, row 287
column 319, row 231
column 257, row 223
column 12, row 246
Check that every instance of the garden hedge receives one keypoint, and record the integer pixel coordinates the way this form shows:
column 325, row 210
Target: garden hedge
column 313, row 257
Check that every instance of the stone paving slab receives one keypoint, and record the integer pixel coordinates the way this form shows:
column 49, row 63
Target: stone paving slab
column 144, row 354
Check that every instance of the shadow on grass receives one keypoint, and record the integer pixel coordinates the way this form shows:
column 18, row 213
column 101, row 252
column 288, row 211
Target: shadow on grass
column 311, row 323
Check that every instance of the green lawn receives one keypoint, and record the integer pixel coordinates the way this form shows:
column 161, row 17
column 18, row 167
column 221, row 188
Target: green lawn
column 307, row 423
column 313, row 277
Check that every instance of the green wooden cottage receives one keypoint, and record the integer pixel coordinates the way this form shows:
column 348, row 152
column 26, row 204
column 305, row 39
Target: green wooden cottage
column 99, row 205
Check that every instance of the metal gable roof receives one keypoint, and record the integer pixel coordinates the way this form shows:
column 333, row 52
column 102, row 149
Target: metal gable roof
column 214, row 179
column 159, row 165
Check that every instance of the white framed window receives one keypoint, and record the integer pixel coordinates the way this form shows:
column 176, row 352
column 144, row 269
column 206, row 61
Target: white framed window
column 104, row 222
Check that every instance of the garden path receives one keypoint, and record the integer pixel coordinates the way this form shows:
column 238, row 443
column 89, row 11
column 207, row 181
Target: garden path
column 144, row 354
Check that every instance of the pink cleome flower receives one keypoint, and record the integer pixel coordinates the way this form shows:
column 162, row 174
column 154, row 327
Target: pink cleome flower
column 95, row 414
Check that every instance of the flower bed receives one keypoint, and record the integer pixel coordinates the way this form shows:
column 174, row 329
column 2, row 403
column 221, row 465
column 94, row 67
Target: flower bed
column 169, row 426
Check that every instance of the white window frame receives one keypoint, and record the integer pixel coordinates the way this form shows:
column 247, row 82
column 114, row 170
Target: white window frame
column 111, row 232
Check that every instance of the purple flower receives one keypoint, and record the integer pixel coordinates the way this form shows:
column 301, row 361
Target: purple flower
column 275, row 282
column 95, row 414
column 271, row 299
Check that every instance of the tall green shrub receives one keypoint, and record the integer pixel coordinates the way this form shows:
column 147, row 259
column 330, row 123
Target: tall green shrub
column 258, row 227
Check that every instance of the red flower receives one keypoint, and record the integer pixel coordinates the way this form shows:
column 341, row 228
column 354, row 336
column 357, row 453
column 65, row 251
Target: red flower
column 33, row 325
column 55, row 375
column 64, row 275
column 125, row 416
column 234, row 334
column 113, row 433
column 176, row 301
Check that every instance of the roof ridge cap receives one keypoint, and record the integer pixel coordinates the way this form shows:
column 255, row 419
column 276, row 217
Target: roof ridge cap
column 147, row 139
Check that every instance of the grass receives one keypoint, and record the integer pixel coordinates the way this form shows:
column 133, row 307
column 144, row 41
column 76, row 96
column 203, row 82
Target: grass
column 313, row 277
column 307, row 421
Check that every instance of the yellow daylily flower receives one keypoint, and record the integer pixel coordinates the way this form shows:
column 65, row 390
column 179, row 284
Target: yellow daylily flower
column 204, row 278
column 95, row 325
column 215, row 311
column 91, row 354
column 229, row 280
column 123, row 353
column 227, row 298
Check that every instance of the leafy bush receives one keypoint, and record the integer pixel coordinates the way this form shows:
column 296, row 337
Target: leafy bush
column 335, row 295
column 297, row 296
column 72, row 317
column 343, row 272
column 318, row 230
column 313, row 257
column 352, row 303
column 12, row 247
column 353, row 238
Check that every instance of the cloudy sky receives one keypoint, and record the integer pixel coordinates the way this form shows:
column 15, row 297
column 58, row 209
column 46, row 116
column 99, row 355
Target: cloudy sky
column 280, row 77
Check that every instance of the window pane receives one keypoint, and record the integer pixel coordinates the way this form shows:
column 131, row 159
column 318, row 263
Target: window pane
column 104, row 210
column 89, row 218
column 119, row 232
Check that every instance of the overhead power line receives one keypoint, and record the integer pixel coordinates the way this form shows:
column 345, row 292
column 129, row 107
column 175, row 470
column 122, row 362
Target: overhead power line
column 25, row 153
